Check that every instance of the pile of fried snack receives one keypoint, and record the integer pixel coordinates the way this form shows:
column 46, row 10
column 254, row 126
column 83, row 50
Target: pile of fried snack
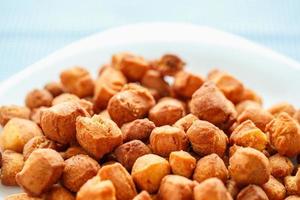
column 130, row 134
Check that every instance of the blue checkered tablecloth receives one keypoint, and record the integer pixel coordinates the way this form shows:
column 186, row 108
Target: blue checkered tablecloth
column 31, row 29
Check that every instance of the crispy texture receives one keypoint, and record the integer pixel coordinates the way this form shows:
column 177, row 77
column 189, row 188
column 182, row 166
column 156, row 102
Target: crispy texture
column 59, row 193
column 281, row 166
column 73, row 151
column 176, row 188
column 207, row 138
column 212, row 189
column 128, row 152
column 132, row 103
column 282, row 107
column 249, row 94
column 165, row 139
column 182, row 163
column 185, row 122
column 139, row 129
column 249, row 166
column 37, row 98
column 297, row 116
column 78, row 169
column 97, row 135
column 13, row 111
column 148, row 171
column 121, row 179
column 210, row 166
column 185, row 84
column 231, row 87
column 143, row 195
column 37, row 142
column 240, row 107
column 232, row 188
column 17, row 132
column 133, row 67
column 109, row 83
column 58, row 122
column 45, row 163
column 274, row 189
column 248, row 135
column 208, row 103
column 169, row 64
column 78, row 81
column 35, row 115
column 12, row 163
column 55, row 88
column 167, row 111
column 21, row 196
column 97, row 190
column 64, row 98
column 284, row 135
column 252, row 192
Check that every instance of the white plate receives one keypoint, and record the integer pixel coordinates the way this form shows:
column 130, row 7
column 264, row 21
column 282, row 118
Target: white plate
column 275, row 77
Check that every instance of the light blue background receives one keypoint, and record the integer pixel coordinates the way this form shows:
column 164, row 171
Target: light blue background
column 31, row 29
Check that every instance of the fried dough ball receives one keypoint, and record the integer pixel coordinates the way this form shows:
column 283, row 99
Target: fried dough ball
column 208, row 103
column 132, row 103
column 148, row 171
column 185, row 84
column 293, row 197
column 167, row 111
column 128, row 152
column 132, row 66
column 121, row 179
column 182, row 163
column 185, row 122
column 97, row 190
column 21, row 196
column 243, row 105
column 248, row 135
column 144, row 195
column 155, row 81
column 297, row 116
column 17, row 132
column 252, row 192
column 292, row 184
column 64, row 98
column 249, row 94
column 284, row 135
column 231, row 87
column 139, row 129
column 73, row 151
column 109, row 83
column 257, row 115
column 58, row 122
column 59, row 193
column 37, row 98
column 210, row 166
column 232, row 188
column 78, row 81
column 176, row 188
column 12, row 163
column 165, row 139
column 97, row 135
column 281, row 166
column 35, row 115
column 274, row 189
column 37, row 142
column 249, row 166
column 78, row 169
column 207, row 138
column 169, row 64
column 54, row 88
column 41, row 170
column 212, row 189
column 13, row 111
column 282, row 107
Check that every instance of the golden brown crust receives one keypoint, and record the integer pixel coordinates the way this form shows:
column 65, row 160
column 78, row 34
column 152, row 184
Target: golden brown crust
column 208, row 103
column 249, row 94
column 249, row 166
column 207, row 138
column 78, row 169
column 185, row 122
column 78, row 81
column 282, row 107
column 58, row 122
column 73, row 151
column 232, row 188
column 59, row 193
column 293, row 197
column 37, row 98
column 148, row 171
column 252, row 192
column 12, row 163
column 45, row 163
column 64, row 98
column 240, row 107
column 121, row 179
column 55, row 88
column 210, row 166
column 165, row 139
column 21, row 196
column 37, row 142
column 281, row 166
column 169, row 64
column 139, row 129
column 182, row 163
column 13, row 111
column 274, row 189
column 128, row 152
column 284, row 135
column 143, row 195
column 97, row 135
